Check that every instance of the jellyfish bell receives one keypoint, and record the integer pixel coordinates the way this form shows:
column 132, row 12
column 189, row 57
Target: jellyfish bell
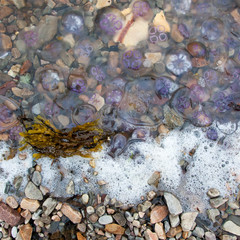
column 212, row 29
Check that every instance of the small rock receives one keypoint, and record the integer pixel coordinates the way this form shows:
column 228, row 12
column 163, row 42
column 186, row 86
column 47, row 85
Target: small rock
column 103, row 3
column 213, row 193
column 172, row 118
column 151, row 195
column 174, row 220
column 159, row 229
column 149, row 235
column 101, row 211
column 114, row 229
column 97, row 101
column 5, row 12
column 14, row 232
column 120, row 219
column 64, row 120
column 231, row 227
column 85, row 199
column 93, row 218
column 26, row 232
column 30, row 204
column 198, row 232
column 12, row 202
column 173, row 204
column 22, row 92
column 49, row 205
column 106, row 219
column 175, row 34
column 36, row 178
column 145, row 206
column 154, row 179
column 228, row 237
column 217, row 202
column 82, row 227
column 212, row 214
column 174, row 231
column 15, row 69
column 70, row 188
column 153, row 57
column 90, row 210
column 9, row 215
column 6, row 42
column 158, row 213
column 210, row 236
column 80, row 236
column 128, row 216
column 187, row 220
column 71, row 213
column 233, row 205
column 32, row 192
column 19, row 3
column 160, row 19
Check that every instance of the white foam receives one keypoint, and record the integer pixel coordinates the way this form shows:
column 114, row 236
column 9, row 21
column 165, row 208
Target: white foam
column 212, row 165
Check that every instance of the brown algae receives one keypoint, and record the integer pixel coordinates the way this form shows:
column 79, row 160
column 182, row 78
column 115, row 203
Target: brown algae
column 48, row 141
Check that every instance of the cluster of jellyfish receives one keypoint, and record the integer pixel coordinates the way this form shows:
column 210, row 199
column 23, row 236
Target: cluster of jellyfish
column 199, row 79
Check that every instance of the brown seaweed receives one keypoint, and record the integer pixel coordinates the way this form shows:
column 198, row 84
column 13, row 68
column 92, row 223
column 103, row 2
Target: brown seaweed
column 48, row 141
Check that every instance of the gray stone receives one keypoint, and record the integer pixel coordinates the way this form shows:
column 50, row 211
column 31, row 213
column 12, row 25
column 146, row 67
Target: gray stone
column 154, row 179
column 231, row 227
column 37, row 178
column 14, row 232
column 217, row 202
column 105, row 219
column 235, row 219
column 166, row 226
column 70, row 189
column 101, row 211
column 128, row 216
column 49, row 205
column 90, row 210
column 32, row 192
column 198, row 232
column 228, row 237
column 187, row 220
column 212, row 214
column 19, row 3
column 120, row 219
column 174, row 220
column 210, row 236
column 17, row 182
column 173, row 204
column 213, row 193
column 145, row 206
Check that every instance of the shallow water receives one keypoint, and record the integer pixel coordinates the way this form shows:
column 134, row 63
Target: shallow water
column 142, row 68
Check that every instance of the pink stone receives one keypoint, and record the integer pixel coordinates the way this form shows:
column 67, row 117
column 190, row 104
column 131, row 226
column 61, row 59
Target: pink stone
column 9, row 215
column 158, row 213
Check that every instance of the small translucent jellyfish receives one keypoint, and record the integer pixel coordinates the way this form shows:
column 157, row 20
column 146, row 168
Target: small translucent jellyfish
column 178, row 62
column 201, row 118
column 51, row 109
column 212, row 29
column 51, row 51
column 224, row 4
column 212, row 134
column 6, row 114
column 132, row 59
column 114, row 96
column 30, row 37
column 140, row 8
column 110, row 22
column 73, row 22
column 182, row 28
column 83, row 49
column 197, row 49
column 157, row 34
column 83, row 113
column 210, row 77
column 222, row 101
column 141, row 133
column 14, row 133
column 77, row 84
column 198, row 93
column 181, row 6
column 164, row 87
column 117, row 145
column 50, row 79
column 97, row 73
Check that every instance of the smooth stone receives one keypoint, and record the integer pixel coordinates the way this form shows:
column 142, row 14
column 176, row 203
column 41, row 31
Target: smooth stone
column 128, row 216
column 173, row 204
column 12, row 202
column 74, row 215
column 114, row 229
column 14, row 232
column 158, row 213
column 235, row 219
column 231, row 227
column 228, row 237
column 174, row 220
column 217, row 202
column 19, row 3
column 106, row 219
column 198, row 232
column 213, row 193
column 32, row 192
column 90, row 210
column 159, row 229
column 85, row 199
column 30, row 204
column 9, row 215
column 93, row 218
column 154, row 179
column 187, row 220
column 49, row 205
column 26, row 232
column 37, row 178
column 210, row 236
column 149, row 235
column 166, row 226
column 212, row 214
column 120, row 219
column 101, row 211
column 145, row 206
column 70, row 189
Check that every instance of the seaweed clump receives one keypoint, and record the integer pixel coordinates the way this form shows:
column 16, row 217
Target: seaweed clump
column 48, row 141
